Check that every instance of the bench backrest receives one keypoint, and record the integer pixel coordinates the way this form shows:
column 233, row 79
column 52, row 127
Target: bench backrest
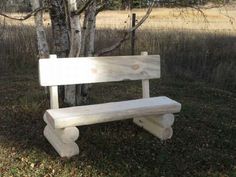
column 69, row 71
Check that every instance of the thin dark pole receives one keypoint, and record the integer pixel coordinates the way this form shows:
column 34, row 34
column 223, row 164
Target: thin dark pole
column 133, row 34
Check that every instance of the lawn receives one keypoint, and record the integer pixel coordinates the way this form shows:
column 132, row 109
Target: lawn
column 204, row 141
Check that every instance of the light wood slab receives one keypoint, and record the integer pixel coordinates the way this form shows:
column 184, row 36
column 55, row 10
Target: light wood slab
column 155, row 129
column 67, row 71
column 63, row 149
column 91, row 114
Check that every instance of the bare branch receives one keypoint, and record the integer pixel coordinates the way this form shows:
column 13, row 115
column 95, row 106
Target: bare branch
column 25, row 17
column 114, row 46
column 198, row 8
column 127, row 32
column 100, row 8
column 79, row 11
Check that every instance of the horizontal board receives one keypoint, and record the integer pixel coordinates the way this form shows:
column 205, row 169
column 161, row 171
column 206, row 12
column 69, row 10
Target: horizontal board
column 67, row 71
column 91, row 114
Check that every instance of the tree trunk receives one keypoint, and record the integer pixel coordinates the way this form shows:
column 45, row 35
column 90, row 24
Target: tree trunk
column 41, row 35
column 60, row 31
column 90, row 32
column 89, row 23
column 75, row 30
column 75, row 46
column 88, row 40
column 59, row 28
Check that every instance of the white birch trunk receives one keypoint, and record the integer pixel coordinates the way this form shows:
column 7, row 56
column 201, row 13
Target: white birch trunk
column 75, row 46
column 91, row 29
column 75, row 30
column 87, row 49
column 89, row 26
column 41, row 35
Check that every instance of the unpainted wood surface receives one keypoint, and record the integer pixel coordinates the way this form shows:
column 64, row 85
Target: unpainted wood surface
column 165, row 121
column 63, row 149
column 67, row 71
column 155, row 129
column 91, row 114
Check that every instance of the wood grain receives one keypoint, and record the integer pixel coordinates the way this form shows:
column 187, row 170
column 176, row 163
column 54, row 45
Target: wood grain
column 67, row 71
column 63, row 149
column 155, row 129
column 91, row 114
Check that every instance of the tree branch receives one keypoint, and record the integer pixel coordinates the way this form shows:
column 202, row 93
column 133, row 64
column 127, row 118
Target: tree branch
column 79, row 11
column 25, row 17
column 198, row 8
column 102, row 6
column 126, row 34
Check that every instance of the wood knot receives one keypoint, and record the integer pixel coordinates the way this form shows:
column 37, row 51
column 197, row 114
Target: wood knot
column 135, row 67
column 94, row 71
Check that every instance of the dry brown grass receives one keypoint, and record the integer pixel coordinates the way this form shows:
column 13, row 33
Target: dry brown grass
column 222, row 19
column 190, row 46
column 215, row 19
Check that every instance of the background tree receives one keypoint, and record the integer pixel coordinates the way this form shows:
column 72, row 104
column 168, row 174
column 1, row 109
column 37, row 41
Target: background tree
column 73, row 24
column 70, row 37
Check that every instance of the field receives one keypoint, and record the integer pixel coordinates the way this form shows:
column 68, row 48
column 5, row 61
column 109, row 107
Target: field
column 198, row 69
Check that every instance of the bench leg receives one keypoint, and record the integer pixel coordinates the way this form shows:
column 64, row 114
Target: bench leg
column 158, row 125
column 63, row 140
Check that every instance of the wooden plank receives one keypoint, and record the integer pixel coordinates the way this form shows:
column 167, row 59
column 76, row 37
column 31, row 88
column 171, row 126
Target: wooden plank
column 67, row 71
column 91, row 114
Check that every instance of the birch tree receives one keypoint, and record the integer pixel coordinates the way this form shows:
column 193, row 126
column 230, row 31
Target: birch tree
column 81, row 39
column 70, row 37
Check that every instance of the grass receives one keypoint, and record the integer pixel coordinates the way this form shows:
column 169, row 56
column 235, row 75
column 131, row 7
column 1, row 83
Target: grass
column 203, row 143
column 198, row 70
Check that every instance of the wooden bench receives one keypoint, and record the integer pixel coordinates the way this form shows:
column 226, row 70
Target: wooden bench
column 153, row 114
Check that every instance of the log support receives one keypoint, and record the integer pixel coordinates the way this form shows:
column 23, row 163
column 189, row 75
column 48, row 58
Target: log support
column 63, row 140
column 159, row 125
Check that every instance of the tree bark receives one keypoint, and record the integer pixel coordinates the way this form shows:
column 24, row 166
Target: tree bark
column 59, row 20
column 87, row 43
column 89, row 26
column 90, row 32
column 59, row 28
column 75, row 30
column 41, row 35
column 75, row 46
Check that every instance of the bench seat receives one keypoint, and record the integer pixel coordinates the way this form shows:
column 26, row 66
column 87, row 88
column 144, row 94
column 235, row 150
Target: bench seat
column 98, row 113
